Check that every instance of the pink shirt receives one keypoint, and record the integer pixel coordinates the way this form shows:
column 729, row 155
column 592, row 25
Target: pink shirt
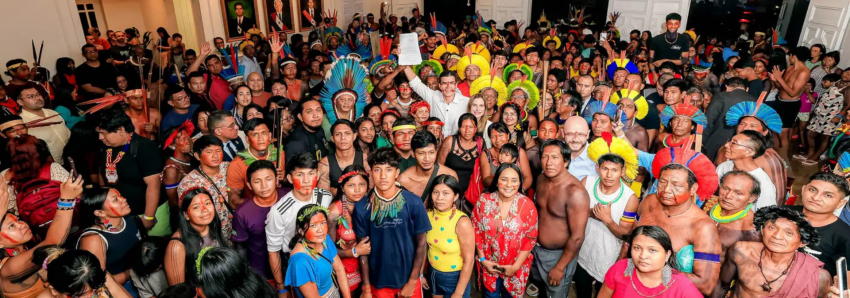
column 615, row 279
column 805, row 104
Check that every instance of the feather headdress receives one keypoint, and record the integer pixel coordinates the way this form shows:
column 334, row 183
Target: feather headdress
column 683, row 110
column 641, row 106
column 436, row 26
column 347, row 79
column 506, row 74
column 357, row 50
column 530, row 89
column 434, row 64
column 490, row 81
column 473, row 59
column 479, row 49
column 333, row 32
column 607, row 144
column 522, row 47
column 444, row 48
column 552, row 37
column 234, row 74
column 483, row 28
column 844, row 164
column 385, row 58
column 602, row 107
column 764, row 113
column 625, row 63
column 696, row 162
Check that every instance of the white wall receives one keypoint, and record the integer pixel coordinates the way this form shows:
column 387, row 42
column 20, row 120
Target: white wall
column 56, row 22
column 123, row 14
column 647, row 14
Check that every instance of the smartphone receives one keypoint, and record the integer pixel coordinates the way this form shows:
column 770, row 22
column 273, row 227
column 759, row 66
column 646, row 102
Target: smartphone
column 73, row 167
column 841, row 268
column 603, row 37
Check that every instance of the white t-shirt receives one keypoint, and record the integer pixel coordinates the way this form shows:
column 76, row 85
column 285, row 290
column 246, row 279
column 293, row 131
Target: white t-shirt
column 600, row 251
column 280, row 223
column 768, row 189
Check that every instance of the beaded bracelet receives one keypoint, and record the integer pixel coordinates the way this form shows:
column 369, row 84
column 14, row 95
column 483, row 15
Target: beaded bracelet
column 65, row 204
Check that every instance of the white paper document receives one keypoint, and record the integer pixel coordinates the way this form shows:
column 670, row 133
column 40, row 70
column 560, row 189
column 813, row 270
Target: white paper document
column 408, row 47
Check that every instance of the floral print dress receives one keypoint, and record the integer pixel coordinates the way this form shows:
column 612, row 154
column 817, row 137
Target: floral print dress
column 829, row 105
column 197, row 180
column 501, row 240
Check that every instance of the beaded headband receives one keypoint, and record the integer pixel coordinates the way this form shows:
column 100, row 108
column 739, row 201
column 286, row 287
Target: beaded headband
column 312, row 211
column 440, row 123
column 400, row 127
column 349, row 174
column 16, row 65
column 397, row 115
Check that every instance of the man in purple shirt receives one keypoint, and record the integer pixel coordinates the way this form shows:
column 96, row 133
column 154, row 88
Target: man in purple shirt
column 249, row 220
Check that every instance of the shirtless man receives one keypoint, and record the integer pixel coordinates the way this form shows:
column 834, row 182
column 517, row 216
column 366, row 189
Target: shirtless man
column 136, row 111
column 681, row 127
column 732, row 211
column 635, row 133
column 693, row 233
column 560, row 236
column 774, row 267
column 791, row 82
column 771, row 162
column 418, row 178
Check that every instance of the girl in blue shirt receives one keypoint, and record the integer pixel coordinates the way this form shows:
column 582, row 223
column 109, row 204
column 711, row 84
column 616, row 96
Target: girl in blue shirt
column 314, row 265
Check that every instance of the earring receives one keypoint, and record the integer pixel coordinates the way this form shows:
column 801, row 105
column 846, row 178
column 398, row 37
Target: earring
column 666, row 274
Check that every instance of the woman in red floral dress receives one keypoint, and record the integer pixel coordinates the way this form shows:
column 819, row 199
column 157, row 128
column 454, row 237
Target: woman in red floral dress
column 505, row 223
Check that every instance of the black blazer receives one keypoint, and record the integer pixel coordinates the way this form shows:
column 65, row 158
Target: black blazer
column 232, row 25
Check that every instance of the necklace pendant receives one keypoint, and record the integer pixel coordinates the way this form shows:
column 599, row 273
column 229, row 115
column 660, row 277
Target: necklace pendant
column 766, row 287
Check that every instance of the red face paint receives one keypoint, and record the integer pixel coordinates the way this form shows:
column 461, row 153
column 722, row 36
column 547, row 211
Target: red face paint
column 683, row 197
column 3, row 234
column 115, row 212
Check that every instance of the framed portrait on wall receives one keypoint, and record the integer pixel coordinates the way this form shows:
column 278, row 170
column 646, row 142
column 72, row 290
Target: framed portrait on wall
column 239, row 16
column 313, row 8
column 279, row 15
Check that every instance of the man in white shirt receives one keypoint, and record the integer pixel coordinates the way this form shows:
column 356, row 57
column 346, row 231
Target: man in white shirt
column 56, row 135
column 575, row 134
column 742, row 150
column 280, row 222
column 250, row 62
column 446, row 103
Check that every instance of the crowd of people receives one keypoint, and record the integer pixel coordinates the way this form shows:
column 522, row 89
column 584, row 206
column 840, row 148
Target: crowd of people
column 521, row 159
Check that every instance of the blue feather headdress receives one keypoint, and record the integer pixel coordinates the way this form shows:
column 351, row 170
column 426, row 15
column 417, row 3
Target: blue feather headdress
column 683, row 110
column 436, row 26
column 234, row 74
column 358, row 50
column 766, row 114
column 287, row 57
column 333, row 32
column 844, row 163
column 621, row 63
column 601, row 107
column 347, row 78
column 384, row 59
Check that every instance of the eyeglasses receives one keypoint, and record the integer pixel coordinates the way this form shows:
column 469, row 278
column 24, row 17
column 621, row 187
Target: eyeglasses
column 733, row 142
column 34, row 96
column 576, row 134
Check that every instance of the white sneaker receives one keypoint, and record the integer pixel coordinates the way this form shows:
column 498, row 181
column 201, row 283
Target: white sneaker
column 532, row 290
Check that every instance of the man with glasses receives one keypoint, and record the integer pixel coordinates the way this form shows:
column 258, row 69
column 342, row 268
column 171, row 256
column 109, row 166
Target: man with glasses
column 11, row 126
column 575, row 134
column 222, row 125
column 742, row 150
column 182, row 109
column 93, row 77
column 56, row 134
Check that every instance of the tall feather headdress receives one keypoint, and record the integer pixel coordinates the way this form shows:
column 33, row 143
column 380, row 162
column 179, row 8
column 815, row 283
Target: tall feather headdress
column 602, row 107
column 530, row 89
column 844, row 164
column 506, row 74
column 356, row 50
column 490, row 81
column 385, row 57
column 683, row 110
column 641, row 106
column 235, row 73
column 436, row 26
column 444, row 48
column 696, row 162
column 347, row 79
column 471, row 58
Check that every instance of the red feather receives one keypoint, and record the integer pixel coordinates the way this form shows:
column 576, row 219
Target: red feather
column 608, row 138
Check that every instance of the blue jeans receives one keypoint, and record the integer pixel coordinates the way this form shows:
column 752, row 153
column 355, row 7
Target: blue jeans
column 131, row 289
column 501, row 291
column 445, row 283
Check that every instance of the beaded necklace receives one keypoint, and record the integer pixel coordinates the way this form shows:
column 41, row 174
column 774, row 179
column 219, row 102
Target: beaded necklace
column 720, row 218
column 596, row 193
column 383, row 208
column 671, row 144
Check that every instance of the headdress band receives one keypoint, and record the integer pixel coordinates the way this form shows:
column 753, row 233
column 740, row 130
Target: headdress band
column 349, row 174
column 16, row 65
column 426, row 123
column 6, row 125
column 345, row 92
column 400, row 127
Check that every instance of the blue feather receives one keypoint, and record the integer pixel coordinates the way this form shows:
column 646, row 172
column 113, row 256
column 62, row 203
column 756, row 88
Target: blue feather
column 599, row 106
column 844, row 162
column 764, row 113
column 342, row 68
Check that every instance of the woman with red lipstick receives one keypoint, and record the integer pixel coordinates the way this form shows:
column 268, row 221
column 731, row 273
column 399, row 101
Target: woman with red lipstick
column 315, row 269
column 17, row 274
column 199, row 228
column 112, row 232
column 652, row 270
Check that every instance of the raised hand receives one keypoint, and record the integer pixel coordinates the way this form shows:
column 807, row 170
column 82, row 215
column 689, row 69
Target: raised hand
column 206, row 49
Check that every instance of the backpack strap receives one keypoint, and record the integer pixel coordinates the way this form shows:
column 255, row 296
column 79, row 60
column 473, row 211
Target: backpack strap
column 44, row 172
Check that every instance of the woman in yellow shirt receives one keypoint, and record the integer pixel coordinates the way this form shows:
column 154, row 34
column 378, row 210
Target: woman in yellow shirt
column 451, row 241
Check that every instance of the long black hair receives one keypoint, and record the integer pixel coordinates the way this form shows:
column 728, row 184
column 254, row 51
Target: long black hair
column 92, row 201
column 224, row 274
column 302, row 222
column 76, row 271
column 447, row 180
column 349, row 169
column 658, row 234
column 191, row 238
column 148, row 256
column 494, row 186
column 359, row 122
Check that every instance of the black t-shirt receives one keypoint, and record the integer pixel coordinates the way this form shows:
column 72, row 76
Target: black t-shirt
column 301, row 141
column 120, row 53
column 834, row 242
column 666, row 50
column 101, row 77
column 140, row 160
column 652, row 120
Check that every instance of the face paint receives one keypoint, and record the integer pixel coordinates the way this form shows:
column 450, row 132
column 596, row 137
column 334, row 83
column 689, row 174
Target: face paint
column 300, row 185
column 318, row 221
column 115, row 212
column 683, row 197
column 3, row 234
